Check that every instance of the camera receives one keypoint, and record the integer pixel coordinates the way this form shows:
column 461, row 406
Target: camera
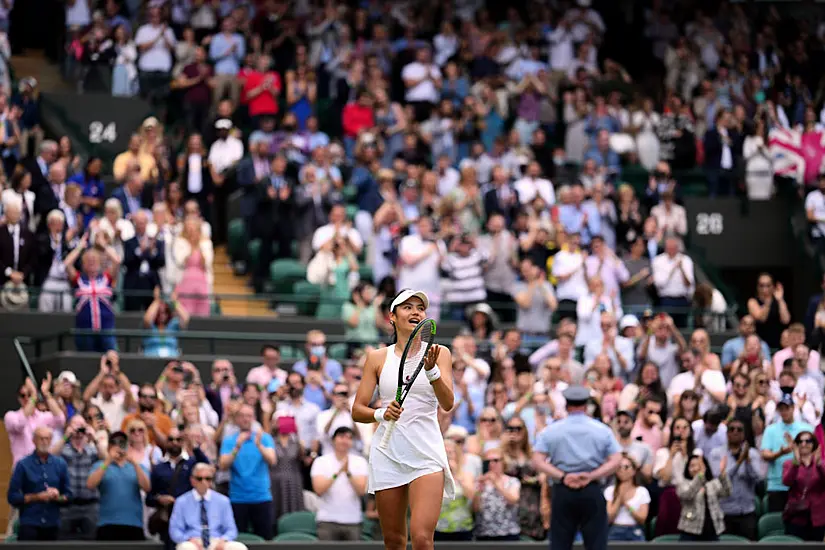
column 178, row 369
column 81, row 430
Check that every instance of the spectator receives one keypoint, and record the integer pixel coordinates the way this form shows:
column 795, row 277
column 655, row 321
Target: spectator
column 745, row 471
column 733, row 348
column 227, row 50
column 710, row 432
column 164, row 319
column 363, row 315
column 670, row 217
column 143, row 257
column 150, row 412
column 702, row 518
column 662, row 346
column 769, row 310
column 18, row 248
column 135, row 159
column 455, row 523
column 340, row 479
column 604, row 263
column 357, row 117
column 649, row 423
column 120, row 479
column 777, row 448
column 627, row 503
column 125, row 81
column 202, row 518
column 194, row 255
column 287, row 472
column 570, row 274
column 20, row 182
column 422, row 81
column 496, row 501
column 51, row 274
column 38, row 486
column 533, row 496
column 156, row 43
column 269, row 371
column 720, row 146
column 803, row 516
column 316, row 352
column 34, row 412
column 669, row 469
column 262, row 88
column 248, row 455
column 674, row 279
column 536, row 302
column 635, row 448
column 170, row 479
column 419, row 256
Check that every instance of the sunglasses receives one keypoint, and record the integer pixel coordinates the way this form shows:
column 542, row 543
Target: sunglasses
column 625, row 467
column 493, row 460
column 741, row 386
column 136, row 430
column 23, row 395
column 459, row 440
column 147, row 396
column 736, row 429
column 806, row 441
column 514, row 429
column 490, row 420
column 174, row 439
column 341, row 394
column 203, row 478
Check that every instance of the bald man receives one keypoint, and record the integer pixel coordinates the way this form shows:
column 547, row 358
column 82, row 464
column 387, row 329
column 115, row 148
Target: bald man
column 143, row 257
column 38, row 486
column 202, row 518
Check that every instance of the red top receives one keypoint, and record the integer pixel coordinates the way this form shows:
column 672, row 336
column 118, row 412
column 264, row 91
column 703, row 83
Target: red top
column 355, row 118
column 265, row 103
column 799, row 478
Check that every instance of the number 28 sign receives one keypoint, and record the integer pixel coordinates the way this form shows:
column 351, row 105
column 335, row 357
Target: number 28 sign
column 710, row 223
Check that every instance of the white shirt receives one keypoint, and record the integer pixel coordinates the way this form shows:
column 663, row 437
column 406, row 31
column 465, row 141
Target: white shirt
column 565, row 262
column 57, row 270
column 711, row 380
column 4, row 11
column 327, row 232
column 341, row 420
column 561, row 49
column 816, row 201
column 670, row 283
column 340, row 503
column 159, row 56
column 194, row 182
column 14, row 231
column 112, row 410
column 426, row 90
column 727, row 157
column 225, row 153
column 589, row 316
column 624, row 517
column 424, row 274
column 528, row 188
column 672, row 221
column 449, row 181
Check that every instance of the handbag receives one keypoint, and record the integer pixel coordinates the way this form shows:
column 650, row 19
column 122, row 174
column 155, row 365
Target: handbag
column 158, row 522
column 799, row 509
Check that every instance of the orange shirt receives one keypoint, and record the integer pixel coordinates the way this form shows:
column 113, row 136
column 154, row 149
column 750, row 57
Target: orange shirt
column 162, row 421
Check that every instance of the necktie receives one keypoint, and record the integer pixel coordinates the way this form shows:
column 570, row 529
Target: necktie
column 15, row 238
column 204, row 524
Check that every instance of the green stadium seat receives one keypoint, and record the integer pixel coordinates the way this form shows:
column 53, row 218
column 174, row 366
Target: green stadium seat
column 349, row 192
column 11, row 538
column 365, row 272
column 236, row 237
column 761, row 488
column 774, row 539
column 292, row 352
column 253, row 250
column 724, row 537
column 338, row 351
column 285, row 273
column 297, row 522
column 368, row 527
column 757, row 502
column 307, row 296
column 765, row 508
column 295, row 537
column 249, row 537
column 352, row 210
column 770, row 523
column 666, row 538
column 651, row 529
column 525, row 538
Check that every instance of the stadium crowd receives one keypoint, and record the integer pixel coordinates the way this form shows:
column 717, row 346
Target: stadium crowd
column 469, row 149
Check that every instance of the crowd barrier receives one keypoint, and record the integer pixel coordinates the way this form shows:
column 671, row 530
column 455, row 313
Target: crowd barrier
column 318, row 545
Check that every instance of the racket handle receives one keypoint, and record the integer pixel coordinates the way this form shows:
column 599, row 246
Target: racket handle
column 385, row 440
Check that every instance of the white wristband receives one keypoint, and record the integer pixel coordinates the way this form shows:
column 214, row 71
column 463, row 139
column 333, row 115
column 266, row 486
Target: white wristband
column 379, row 415
column 433, row 374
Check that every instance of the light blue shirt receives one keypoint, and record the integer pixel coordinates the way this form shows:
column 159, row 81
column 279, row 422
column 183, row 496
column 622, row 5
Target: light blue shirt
column 527, row 415
column 185, row 523
column 249, row 483
column 227, row 62
column 733, row 349
column 334, row 369
column 625, row 348
column 774, row 439
column 572, row 218
column 120, row 501
column 462, row 416
column 577, row 443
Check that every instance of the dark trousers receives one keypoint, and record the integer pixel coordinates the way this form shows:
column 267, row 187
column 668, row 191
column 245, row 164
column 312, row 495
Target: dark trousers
column 154, row 86
column 259, row 515
column 744, row 525
column 806, row 532
column 501, row 538
column 566, row 310
column 690, row 537
column 120, row 532
column 100, row 343
column 777, row 501
column 32, row 533
column 503, row 304
column 677, row 307
column 459, row 536
column 720, row 182
column 578, row 510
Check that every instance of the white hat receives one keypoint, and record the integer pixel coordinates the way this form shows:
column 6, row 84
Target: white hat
column 68, row 376
column 455, row 431
column 223, row 124
column 406, row 294
column 628, row 321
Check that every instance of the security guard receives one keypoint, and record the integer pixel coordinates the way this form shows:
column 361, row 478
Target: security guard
column 581, row 452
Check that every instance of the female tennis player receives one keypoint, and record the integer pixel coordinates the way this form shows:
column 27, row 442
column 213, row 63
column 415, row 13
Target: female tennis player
column 412, row 468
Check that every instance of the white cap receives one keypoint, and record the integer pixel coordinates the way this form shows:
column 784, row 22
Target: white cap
column 406, row 294
column 68, row 376
column 628, row 321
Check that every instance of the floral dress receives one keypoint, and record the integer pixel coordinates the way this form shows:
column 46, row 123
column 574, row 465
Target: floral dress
column 496, row 517
column 529, row 509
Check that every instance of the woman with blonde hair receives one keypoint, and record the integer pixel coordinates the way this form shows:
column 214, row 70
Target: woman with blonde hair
column 456, row 520
column 193, row 255
column 114, row 225
column 534, row 498
column 488, row 432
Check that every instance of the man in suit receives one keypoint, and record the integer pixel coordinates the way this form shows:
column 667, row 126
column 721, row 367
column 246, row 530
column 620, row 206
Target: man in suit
column 143, row 256
column 18, row 249
column 502, row 198
column 720, row 153
column 50, row 275
column 274, row 221
column 38, row 167
column 253, row 170
column 202, row 519
column 130, row 194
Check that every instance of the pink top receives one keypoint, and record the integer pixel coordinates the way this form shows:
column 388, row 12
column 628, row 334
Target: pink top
column 262, row 376
column 783, row 355
column 21, row 430
column 651, row 436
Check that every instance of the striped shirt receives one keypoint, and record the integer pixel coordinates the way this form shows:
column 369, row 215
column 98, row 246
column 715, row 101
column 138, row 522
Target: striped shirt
column 465, row 277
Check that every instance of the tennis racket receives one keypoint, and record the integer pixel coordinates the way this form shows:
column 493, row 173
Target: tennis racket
column 412, row 361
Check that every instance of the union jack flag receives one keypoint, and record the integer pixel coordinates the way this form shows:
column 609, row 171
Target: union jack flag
column 797, row 155
column 94, row 293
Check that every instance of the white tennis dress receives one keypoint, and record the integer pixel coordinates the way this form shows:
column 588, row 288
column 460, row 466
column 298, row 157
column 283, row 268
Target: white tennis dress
column 416, row 446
